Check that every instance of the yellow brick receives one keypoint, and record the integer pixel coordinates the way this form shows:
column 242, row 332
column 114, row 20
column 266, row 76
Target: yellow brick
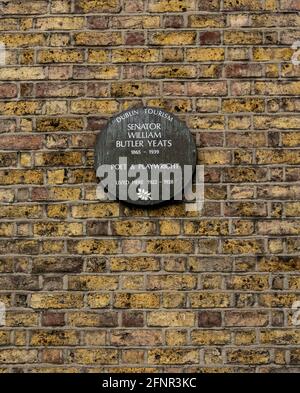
column 26, row 125
column 133, row 89
column 20, row 338
column 243, row 105
column 135, row 55
column 94, row 107
column 65, row 193
column 60, row 23
column 136, row 337
column 25, row 160
column 103, row 72
column 135, row 22
column 210, row 337
column 157, row 72
column 239, row 122
column 206, row 21
column 252, row 282
column 277, row 157
column 169, row 228
column 60, row 370
column 133, row 264
column 235, row 54
column 132, row 370
column 52, row 338
column 60, row 6
column 243, row 5
column 172, row 105
column 20, row 108
column 98, row 56
column 33, row 7
column 245, row 338
column 291, row 139
column 8, row 24
column 207, row 300
column 21, row 177
column 88, row 6
column 96, row 338
column 4, row 337
column 56, row 176
column 94, row 356
column 242, row 37
column 58, row 159
column 208, row 122
column 205, row 54
column 171, row 5
column 272, row 54
column 21, row 319
column 57, row 211
column 172, row 281
column 171, row 318
column 212, row 356
column 172, row 54
column 242, row 246
column 280, row 336
column 6, row 229
column 97, row 38
column 294, row 283
column 52, row 246
column 45, row 124
column 18, row 356
column 27, row 57
column 173, row 356
column 278, row 227
column 174, row 300
column 133, row 228
column 176, row 338
column 174, row 210
column 275, row 246
column 90, row 246
column 212, row 281
column 133, row 356
column 93, row 283
column 280, row 88
column 278, row 299
column 292, row 209
column 250, row 356
column 55, row 107
column 170, row 246
column 62, row 300
column 136, row 300
column 6, row 196
column 54, row 229
column 60, row 56
column 133, row 283
column 21, row 211
column 272, row 71
column 215, row 157
column 279, row 356
column 173, row 38
column 206, row 227
column 23, row 40
column 95, row 210
column 26, row 23
column 92, row 319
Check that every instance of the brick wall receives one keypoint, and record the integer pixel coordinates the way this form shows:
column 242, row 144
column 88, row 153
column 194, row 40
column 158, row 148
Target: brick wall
column 95, row 286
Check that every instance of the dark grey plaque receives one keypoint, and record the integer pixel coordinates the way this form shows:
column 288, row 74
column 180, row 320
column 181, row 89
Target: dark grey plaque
column 151, row 140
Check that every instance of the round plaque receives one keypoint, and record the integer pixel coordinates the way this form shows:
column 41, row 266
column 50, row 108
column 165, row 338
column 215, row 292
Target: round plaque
column 145, row 156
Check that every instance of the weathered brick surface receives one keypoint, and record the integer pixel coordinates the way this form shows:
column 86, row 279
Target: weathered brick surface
column 100, row 286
